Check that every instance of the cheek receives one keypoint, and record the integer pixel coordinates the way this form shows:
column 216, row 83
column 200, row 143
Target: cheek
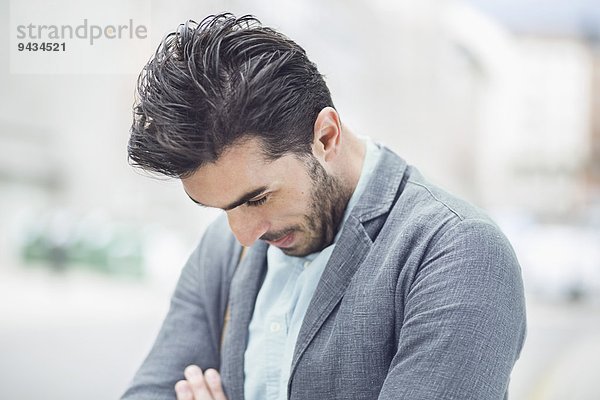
column 289, row 209
column 300, row 192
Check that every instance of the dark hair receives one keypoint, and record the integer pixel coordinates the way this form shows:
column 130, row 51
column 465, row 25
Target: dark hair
column 223, row 80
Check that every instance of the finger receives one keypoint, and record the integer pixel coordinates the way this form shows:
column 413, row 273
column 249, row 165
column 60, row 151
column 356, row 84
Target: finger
column 200, row 389
column 184, row 390
column 214, row 383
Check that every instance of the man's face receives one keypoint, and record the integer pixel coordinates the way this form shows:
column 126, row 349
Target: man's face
column 292, row 204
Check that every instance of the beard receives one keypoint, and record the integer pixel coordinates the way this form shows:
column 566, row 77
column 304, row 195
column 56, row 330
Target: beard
column 328, row 201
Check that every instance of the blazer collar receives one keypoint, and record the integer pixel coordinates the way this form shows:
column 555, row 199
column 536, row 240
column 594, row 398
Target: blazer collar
column 383, row 188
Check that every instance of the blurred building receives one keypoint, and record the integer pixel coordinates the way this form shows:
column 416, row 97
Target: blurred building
column 593, row 170
column 545, row 153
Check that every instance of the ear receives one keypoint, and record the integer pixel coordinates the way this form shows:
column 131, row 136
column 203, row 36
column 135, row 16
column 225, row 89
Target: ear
column 327, row 134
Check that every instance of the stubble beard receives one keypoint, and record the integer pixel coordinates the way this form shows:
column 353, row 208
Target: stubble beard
column 328, row 202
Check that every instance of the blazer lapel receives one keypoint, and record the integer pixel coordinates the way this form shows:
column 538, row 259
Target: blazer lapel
column 244, row 288
column 352, row 247
column 347, row 256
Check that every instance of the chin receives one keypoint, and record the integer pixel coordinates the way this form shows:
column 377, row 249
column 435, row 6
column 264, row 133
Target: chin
column 293, row 252
column 297, row 251
column 313, row 247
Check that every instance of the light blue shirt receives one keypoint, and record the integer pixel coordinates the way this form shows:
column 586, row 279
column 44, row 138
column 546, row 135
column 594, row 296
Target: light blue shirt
column 282, row 302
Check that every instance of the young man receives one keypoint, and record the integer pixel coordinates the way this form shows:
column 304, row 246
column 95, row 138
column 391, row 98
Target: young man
column 360, row 280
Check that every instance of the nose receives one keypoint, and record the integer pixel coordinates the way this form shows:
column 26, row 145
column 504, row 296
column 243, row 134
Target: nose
column 246, row 227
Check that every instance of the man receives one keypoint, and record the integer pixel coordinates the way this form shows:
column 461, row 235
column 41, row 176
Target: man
column 360, row 280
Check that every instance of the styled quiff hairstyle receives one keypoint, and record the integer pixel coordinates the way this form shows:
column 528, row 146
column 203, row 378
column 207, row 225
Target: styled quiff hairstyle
column 220, row 81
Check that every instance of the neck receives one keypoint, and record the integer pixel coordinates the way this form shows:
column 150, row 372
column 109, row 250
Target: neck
column 349, row 165
column 352, row 159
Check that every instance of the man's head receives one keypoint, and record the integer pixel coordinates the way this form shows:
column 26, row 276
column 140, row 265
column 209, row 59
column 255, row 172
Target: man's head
column 241, row 115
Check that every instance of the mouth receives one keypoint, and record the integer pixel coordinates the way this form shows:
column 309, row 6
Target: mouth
column 283, row 242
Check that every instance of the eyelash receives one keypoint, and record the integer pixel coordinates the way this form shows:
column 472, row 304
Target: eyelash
column 256, row 203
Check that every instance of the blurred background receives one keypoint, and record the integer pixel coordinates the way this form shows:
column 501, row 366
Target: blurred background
column 497, row 101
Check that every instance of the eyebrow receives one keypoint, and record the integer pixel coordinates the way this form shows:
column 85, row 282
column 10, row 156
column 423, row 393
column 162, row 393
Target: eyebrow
column 243, row 199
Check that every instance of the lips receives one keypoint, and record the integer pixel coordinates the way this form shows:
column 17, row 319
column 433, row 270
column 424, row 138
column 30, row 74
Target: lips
column 283, row 242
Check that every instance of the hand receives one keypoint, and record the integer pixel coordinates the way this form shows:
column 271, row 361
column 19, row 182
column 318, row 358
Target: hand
column 199, row 386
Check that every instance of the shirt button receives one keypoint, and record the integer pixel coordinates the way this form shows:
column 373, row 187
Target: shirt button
column 306, row 264
column 275, row 326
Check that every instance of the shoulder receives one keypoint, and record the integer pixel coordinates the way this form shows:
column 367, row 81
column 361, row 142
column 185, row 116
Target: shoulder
column 217, row 240
column 216, row 255
column 427, row 198
column 454, row 236
column 427, row 209
column 428, row 223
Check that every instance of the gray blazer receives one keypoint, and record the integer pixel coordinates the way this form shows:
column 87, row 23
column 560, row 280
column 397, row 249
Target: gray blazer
column 422, row 298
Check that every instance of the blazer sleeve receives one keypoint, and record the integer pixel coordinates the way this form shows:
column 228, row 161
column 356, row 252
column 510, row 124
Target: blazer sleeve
column 463, row 324
column 190, row 333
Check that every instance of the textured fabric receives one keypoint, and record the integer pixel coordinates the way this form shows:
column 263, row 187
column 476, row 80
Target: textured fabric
column 282, row 302
column 422, row 298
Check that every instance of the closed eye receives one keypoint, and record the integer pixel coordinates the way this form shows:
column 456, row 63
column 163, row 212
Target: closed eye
column 257, row 202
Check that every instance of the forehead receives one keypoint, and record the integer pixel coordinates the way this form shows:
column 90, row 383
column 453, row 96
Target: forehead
column 241, row 169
